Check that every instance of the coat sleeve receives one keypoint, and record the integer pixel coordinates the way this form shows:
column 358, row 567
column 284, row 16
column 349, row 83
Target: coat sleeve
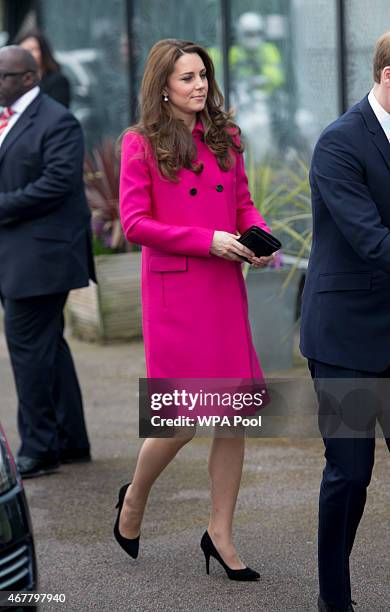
column 62, row 166
column 136, row 208
column 247, row 213
column 338, row 176
column 59, row 89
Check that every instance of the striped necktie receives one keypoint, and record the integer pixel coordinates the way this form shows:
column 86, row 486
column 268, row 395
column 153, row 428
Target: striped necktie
column 5, row 117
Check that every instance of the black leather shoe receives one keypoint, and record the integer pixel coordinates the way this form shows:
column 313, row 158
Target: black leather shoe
column 325, row 607
column 75, row 455
column 30, row 467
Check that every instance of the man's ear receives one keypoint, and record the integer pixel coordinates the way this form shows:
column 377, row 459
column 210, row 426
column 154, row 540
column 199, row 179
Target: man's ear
column 29, row 79
column 386, row 76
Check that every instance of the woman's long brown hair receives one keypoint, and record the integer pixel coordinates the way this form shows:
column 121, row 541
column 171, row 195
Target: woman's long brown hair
column 170, row 139
column 49, row 64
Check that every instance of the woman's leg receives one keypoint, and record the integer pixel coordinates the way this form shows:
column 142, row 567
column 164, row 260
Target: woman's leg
column 155, row 454
column 225, row 468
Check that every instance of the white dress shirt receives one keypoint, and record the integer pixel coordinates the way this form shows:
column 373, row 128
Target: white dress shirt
column 19, row 107
column 382, row 115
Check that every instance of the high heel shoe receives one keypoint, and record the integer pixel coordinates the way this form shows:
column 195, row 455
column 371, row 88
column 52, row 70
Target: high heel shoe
column 129, row 545
column 209, row 550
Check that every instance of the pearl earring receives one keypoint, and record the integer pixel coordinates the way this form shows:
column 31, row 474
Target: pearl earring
column 165, row 98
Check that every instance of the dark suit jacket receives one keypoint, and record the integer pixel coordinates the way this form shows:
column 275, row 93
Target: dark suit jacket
column 346, row 301
column 45, row 236
column 57, row 86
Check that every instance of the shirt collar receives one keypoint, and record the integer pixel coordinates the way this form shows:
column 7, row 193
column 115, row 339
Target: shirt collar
column 25, row 100
column 380, row 113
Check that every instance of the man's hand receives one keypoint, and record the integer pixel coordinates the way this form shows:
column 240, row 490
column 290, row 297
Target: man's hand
column 226, row 245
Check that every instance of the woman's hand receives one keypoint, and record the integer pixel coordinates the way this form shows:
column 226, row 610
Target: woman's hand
column 227, row 246
column 262, row 262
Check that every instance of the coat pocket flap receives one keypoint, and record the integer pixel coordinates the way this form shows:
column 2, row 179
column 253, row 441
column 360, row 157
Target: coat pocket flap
column 53, row 232
column 358, row 281
column 168, row 263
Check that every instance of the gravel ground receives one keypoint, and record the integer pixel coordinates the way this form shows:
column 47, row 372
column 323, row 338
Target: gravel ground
column 275, row 527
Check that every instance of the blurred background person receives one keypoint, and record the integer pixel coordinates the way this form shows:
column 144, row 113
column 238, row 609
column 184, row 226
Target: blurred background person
column 253, row 57
column 52, row 81
column 257, row 80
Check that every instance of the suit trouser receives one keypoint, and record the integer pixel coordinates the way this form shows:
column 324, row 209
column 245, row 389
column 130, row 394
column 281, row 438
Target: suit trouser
column 347, row 474
column 50, row 409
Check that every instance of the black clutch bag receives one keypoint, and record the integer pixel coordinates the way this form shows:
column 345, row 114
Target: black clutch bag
column 260, row 242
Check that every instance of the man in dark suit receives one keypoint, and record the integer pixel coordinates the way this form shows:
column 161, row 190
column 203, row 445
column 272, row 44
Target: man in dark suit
column 45, row 251
column 345, row 331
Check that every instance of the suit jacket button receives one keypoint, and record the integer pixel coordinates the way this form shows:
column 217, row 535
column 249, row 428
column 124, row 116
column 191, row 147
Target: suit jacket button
column 193, row 191
column 219, row 187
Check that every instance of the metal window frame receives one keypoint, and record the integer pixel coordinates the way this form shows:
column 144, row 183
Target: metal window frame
column 132, row 62
column 225, row 10
column 14, row 13
column 341, row 49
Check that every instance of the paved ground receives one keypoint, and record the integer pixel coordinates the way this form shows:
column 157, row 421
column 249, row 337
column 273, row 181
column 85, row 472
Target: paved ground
column 73, row 513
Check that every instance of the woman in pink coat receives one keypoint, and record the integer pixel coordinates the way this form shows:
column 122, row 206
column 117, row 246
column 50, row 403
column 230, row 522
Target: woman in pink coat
column 184, row 197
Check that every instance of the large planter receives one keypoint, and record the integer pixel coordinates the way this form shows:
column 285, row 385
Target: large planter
column 111, row 310
column 272, row 315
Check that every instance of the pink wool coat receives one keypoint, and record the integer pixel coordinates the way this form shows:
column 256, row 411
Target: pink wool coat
column 195, row 311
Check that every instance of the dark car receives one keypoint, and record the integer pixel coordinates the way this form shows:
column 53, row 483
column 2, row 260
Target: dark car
column 18, row 571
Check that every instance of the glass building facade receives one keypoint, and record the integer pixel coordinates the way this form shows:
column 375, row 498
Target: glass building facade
column 288, row 67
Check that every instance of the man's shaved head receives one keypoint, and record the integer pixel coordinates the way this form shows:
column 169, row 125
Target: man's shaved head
column 18, row 58
column 18, row 73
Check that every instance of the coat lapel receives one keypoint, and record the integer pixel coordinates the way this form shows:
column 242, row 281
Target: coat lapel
column 20, row 126
column 374, row 127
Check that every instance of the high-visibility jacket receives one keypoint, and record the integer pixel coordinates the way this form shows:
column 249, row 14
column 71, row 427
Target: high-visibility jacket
column 264, row 61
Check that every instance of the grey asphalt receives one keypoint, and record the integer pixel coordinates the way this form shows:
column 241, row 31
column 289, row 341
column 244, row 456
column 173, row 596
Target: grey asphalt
column 275, row 526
